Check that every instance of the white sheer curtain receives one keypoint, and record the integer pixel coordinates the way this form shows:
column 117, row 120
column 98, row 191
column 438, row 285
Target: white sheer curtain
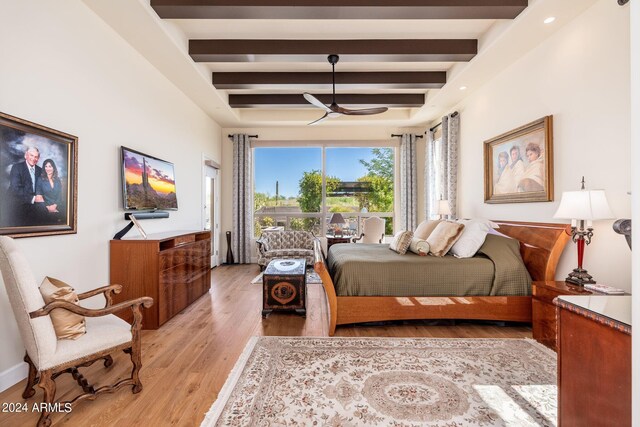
column 408, row 183
column 242, row 210
column 441, row 166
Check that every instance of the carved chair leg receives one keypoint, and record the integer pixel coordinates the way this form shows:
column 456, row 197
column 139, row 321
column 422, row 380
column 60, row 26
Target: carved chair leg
column 31, row 380
column 134, row 352
column 49, row 386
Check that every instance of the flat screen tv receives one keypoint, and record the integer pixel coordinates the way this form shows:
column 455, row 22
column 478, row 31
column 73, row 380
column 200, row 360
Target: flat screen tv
column 148, row 182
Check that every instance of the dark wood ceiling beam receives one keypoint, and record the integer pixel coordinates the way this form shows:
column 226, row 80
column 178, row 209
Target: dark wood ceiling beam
column 344, row 99
column 396, row 50
column 339, row 9
column 373, row 80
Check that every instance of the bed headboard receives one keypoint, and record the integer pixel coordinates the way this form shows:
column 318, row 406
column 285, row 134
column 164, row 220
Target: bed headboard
column 541, row 245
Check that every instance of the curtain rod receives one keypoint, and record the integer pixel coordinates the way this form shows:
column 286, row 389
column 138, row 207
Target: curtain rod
column 250, row 136
column 455, row 113
column 417, row 136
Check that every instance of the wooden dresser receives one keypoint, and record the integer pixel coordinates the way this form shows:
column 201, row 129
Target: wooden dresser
column 173, row 268
column 594, row 360
column 544, row 311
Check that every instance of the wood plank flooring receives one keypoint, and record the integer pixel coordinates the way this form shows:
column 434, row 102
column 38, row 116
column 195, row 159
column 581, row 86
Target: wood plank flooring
column 187, row 360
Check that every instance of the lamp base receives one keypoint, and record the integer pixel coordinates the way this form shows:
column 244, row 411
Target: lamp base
column 580, row 277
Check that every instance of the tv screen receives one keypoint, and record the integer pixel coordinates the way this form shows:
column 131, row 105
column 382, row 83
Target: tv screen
column 148, row 182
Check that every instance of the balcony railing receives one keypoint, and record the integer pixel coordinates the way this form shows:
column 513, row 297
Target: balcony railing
column 311, row 221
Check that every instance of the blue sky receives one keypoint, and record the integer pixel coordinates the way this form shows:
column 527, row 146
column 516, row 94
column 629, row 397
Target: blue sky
column 286, row 165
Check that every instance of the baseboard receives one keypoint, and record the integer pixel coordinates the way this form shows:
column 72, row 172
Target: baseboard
column 13, row 375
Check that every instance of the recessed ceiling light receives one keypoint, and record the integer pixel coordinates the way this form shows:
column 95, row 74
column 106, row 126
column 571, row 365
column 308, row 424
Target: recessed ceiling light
column 463, row 88
column 549, row 20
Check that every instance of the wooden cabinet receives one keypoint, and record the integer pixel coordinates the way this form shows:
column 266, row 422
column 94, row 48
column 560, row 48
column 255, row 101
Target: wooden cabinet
column 172, row 268
column 594, row 361
column 544, row 311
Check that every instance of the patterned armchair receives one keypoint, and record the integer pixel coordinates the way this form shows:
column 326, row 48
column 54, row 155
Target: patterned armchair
column 285, row 244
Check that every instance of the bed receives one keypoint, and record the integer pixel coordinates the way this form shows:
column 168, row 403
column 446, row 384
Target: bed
column 540, row 246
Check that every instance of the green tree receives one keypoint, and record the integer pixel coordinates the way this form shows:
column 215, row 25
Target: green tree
column 380, row 178
column 310, row 195
column 381, row 164
column 380, row 197
column 310, row 187
column 260, row 200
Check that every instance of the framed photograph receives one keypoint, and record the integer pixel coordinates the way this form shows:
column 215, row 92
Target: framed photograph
column 38, row 179
column 518, row 165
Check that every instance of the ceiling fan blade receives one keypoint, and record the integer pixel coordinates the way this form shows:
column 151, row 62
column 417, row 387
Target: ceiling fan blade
column 330, row 115
column 315, row 122
column 362, row 112
column 316, row 102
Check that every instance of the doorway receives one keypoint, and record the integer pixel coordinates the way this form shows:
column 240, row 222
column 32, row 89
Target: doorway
column 211, row 208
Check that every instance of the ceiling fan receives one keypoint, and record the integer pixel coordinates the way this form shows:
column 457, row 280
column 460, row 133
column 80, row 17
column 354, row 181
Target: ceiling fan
column 334, row 110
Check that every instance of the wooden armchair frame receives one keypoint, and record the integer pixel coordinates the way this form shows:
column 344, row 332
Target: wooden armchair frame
column 45, row 379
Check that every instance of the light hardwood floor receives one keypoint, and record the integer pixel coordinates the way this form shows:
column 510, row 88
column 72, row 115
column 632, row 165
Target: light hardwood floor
column 187, row 360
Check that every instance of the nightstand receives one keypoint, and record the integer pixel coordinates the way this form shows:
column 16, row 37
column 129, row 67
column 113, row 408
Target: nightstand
column 544, row 311
column 332, row 240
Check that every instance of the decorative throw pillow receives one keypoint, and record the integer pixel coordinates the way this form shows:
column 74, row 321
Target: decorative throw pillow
column 67, row 325
column 443, row 237
column 401, row 242
column 419, row 246
column 425, row 228
column 472, row 238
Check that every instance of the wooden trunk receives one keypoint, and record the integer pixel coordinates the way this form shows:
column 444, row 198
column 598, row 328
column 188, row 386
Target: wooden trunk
column 283, row 289
column 173, row 268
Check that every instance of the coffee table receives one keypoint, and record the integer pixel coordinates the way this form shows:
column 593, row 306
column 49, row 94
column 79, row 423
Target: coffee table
column 284, row 286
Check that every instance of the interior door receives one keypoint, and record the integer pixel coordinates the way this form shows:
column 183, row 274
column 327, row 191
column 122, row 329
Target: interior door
column 211, row 211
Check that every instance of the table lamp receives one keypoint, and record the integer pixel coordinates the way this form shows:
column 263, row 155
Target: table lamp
column 443, row 208
column 335, row 220
column 583, row 206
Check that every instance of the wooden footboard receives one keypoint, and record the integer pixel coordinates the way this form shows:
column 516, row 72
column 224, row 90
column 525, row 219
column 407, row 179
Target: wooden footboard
column 540, row 244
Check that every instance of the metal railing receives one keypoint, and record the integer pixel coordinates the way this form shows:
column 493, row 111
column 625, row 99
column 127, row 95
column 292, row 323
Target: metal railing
column 287, row 221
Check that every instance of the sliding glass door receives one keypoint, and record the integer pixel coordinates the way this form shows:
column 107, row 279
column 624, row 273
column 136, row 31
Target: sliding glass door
column 300, row 188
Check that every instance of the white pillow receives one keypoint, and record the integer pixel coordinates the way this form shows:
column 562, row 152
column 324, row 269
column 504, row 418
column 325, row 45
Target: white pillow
column 419, row 246
column 473, row 236
column 488, row 222
column 443, row 237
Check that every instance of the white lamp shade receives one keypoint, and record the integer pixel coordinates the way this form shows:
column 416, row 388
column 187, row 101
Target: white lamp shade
column 584, row 205
column 443, row 207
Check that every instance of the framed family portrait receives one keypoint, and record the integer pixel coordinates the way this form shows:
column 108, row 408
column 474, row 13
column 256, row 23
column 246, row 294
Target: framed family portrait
column 518, row 165
column 38, row 179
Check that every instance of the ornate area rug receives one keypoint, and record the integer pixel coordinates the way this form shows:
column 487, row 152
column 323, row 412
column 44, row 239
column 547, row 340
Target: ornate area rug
column 282, row 381
column 312, row 278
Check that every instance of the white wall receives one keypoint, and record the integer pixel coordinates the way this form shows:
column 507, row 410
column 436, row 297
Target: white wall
column 64, row 68
column 581, row 76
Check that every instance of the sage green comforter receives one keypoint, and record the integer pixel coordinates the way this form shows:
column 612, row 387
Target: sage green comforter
column 375, row 270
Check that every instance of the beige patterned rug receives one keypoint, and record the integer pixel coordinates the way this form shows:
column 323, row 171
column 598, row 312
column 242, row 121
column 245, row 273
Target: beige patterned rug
column 281, row 381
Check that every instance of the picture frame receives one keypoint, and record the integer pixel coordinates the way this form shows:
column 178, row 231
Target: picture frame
column 38, row 179
column 518, row 165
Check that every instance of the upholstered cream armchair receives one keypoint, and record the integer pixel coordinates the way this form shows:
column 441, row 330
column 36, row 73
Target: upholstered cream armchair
column 47, row 356
column 372, row 230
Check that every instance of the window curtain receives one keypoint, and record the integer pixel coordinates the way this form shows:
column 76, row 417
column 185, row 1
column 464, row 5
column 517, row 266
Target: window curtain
column 242, row 210
column 408, row 183
column 441, row 166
